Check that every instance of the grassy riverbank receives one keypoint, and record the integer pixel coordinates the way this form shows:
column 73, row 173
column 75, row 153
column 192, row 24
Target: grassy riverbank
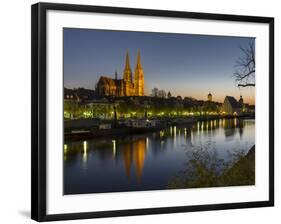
column 242, row 172
column 202, row 173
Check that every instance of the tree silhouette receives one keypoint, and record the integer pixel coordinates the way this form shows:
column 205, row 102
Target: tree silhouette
column 246, row 66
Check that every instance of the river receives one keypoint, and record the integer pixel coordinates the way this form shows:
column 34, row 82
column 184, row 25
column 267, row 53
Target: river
column 153, row 161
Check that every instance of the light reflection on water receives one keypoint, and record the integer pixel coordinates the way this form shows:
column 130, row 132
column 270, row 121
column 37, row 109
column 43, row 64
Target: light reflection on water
column 148, row 161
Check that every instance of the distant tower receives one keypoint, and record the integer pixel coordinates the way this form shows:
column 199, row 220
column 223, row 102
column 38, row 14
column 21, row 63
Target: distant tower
column 139, row 78
column 210, row 97
column 127, row 74
column 115, row 75
column 241, row 101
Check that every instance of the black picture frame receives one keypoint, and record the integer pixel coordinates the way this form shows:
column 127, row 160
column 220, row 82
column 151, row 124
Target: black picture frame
column 38, row 108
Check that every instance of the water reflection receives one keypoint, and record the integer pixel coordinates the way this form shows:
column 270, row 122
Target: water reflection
column 134, row 155
column 114, row 147
column 149, row 161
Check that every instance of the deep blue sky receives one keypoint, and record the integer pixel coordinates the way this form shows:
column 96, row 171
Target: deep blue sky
column 186, row 65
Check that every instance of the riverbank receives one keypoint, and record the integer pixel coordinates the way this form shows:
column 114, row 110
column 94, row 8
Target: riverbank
column 200, row 174
column 84, row 135
column 87, row 129
column 242, row 172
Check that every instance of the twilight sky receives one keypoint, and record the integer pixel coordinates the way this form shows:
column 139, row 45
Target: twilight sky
column 186, row 65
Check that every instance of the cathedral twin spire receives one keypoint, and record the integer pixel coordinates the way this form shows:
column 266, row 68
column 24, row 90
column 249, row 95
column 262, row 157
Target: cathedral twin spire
column 138, row 66
column 139, row 77
column 127, row 74
column 128, row 86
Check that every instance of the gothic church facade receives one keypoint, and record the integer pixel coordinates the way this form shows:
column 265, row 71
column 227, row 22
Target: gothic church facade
column 128, row 86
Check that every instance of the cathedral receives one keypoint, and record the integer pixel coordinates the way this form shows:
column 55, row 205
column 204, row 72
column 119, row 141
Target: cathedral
column 128, row 86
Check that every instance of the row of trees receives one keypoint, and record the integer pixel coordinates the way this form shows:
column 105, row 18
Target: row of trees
column 74, row 110
column 155, row 92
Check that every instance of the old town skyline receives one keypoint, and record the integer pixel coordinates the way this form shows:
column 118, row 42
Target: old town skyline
column 193, row 78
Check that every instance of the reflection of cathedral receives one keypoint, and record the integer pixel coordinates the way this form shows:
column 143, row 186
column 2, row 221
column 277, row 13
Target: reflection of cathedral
column 134, row 154
column 128, row 86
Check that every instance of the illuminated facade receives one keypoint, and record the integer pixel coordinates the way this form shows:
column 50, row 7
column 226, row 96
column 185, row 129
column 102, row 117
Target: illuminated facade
column 231, row 106
column 139, row 78
column 128, row 86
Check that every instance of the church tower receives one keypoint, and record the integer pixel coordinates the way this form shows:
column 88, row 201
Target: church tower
column 128, row 89
column 210, row 97
column 241, row 101
column 139, row 78
column 127, row 74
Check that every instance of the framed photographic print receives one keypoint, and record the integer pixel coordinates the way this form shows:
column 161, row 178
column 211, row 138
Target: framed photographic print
column 138, row 111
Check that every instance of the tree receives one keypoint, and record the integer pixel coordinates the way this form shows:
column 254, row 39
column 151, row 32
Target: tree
column 209, row 106
column 169, row 94
column 154, row 92
column 73, row 108
column 246, row 66
column 162, row 94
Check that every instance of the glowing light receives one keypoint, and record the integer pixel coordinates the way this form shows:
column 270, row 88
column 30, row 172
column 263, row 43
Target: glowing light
column 65, row 148
column 175, row 136
column 87, row 114
column 85, row 146
column 85, row 154
column 184, row 132
column 114, row 147
column 147, row 143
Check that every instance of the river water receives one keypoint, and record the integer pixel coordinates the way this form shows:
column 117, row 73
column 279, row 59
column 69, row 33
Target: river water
column 152, row 161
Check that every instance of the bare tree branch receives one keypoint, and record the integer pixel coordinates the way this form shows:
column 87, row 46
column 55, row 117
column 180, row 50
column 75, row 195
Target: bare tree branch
column 245, row 85
column 245, row 66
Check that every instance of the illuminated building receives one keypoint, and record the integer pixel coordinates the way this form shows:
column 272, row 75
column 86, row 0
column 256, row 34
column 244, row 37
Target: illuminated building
column 128, row 86
column 231, row 106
